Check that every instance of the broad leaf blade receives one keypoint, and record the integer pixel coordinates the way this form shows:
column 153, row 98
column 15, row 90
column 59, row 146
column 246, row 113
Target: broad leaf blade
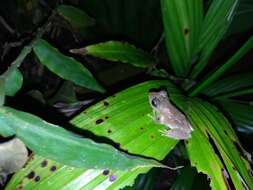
column 124, row 118
column 216, row 22
column 13, row 82
column 215, row 126
column 65, row 67
column 182, row 22
column 58, row 144
column 118, row 51
column 76, row 17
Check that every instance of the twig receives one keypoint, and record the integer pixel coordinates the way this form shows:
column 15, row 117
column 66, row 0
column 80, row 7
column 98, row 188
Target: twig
column 27, row 49
column 6, row 25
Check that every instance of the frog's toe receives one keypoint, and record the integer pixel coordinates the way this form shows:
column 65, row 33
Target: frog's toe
column 176, row 134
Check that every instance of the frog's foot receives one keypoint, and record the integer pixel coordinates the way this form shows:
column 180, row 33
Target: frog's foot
column 3, row 178
column 175, row 134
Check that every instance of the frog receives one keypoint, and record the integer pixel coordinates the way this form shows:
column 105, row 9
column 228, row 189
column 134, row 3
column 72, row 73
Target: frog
column 165, row 113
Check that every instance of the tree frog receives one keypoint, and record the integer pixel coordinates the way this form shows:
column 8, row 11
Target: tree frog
column 167, row 114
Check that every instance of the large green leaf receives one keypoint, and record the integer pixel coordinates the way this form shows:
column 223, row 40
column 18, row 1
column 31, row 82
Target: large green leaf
column 65, row 67
column 118, row 51
column 216, row 22
column 214, row 134
column 241, row 114
column 182, row 22
column 76, row 17
column 60, row 145
column 124, row 118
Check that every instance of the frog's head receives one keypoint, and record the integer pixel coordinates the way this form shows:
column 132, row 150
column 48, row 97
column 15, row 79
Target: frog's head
column 156, row 99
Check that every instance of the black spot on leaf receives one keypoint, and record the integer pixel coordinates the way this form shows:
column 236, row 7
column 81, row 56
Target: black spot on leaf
column 53, row 168
column 19, row 187
column 31, row 175
column 106, row 172
column 98, row 121
column 109, row 131
column 44, row 163
column 37, row 178
column 106, row 103
column 106, row 117
column 186, row 31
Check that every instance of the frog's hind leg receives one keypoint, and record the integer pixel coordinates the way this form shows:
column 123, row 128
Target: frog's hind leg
column 175, row 134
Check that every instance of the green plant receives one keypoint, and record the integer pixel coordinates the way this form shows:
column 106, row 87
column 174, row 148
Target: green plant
column 191, row 36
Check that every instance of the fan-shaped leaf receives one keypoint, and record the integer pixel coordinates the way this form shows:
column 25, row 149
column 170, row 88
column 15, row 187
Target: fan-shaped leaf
column 124, row 118
column 216, row 22
column 182, row 22
column 217, row 134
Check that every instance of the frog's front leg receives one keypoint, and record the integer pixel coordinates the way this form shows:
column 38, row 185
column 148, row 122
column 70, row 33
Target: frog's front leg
column 176, row 134
column 3, row 178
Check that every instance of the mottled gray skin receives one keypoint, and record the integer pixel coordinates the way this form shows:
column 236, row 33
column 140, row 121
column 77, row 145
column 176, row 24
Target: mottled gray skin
column 13, row 156
column 167, row 114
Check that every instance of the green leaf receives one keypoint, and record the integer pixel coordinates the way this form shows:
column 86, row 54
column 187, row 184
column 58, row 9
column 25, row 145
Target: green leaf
column 230, row 84
column 213, row 133
column 118, row 51
column 182, row 22
column 64, row 66
column 125, row 119
column 60, row 145
column 13, row 82
column 216, row 22
column 213, row 76
column 76, row 17
column 240, row 114
column 242, row 20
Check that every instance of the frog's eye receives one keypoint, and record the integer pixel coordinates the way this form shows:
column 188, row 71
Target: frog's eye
column 155, row 102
